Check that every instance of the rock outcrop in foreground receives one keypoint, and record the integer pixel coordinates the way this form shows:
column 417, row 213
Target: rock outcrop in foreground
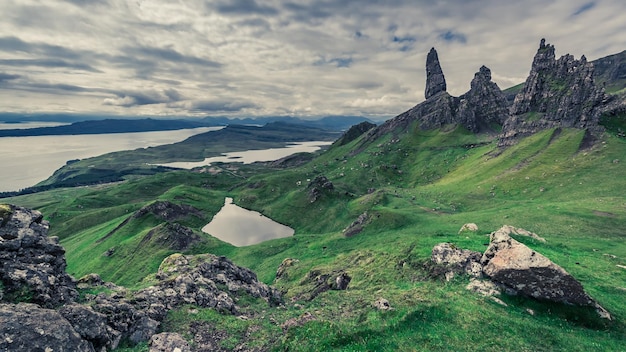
column 38, row 299
column 32, row 265
column 517, row 269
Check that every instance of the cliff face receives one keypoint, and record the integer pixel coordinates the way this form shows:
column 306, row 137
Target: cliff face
column 435, row 80
column 557, row 93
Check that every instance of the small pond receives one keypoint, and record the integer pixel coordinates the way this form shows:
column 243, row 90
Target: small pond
column 243, row 227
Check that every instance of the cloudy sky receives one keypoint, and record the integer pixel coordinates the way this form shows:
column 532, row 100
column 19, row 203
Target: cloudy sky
column 256, row 58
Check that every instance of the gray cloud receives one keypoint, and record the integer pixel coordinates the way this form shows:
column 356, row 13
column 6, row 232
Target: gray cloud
column 8, row 77
column 50, row 63
column 217, row 106
column 271, row 57
column 245, row 7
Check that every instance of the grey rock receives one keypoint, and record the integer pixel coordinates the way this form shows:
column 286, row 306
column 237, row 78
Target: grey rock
column 281, row 272
column 456, row 260
column 557, row 93
column 354, row 132
column 91, row 326
column 169, row 342
column 382, row 304
column 484, row 105
column 435, row 80
column 318, row 187
column 526, row 272
column 32, row 265
column 28, row 327
column 357, row 225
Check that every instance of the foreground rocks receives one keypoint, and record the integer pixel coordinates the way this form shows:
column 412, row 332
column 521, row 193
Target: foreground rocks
column 516, row 269
column 38, row 308
column 32, row 265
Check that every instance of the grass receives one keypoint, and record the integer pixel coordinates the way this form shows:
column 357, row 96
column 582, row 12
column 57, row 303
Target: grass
column 419, row 188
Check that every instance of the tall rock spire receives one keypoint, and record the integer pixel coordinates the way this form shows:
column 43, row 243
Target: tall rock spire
column 435, row 81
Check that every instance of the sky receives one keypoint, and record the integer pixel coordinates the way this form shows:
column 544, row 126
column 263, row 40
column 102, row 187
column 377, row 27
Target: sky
column 305, row 58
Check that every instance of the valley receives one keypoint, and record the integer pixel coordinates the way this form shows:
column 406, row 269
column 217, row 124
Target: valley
column 357, row 274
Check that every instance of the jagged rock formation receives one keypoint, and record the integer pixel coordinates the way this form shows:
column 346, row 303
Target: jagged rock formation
column 484, row 105
column 435, row 80
column 516, row 268
column 557, row 93
column 482, row 108
column 32, row 265
column 32, row 269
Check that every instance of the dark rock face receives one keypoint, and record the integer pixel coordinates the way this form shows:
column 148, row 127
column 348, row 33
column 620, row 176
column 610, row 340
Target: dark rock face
column 610, row 72
column 484, row 104
column 91, row 326
column 482, row 108
column 557, row 93
column 435, row 81
column 28, row 327
column 32, row 265
column 354, row 132
column 318, row 186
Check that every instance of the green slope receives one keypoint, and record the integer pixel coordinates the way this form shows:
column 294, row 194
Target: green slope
column 418, row 188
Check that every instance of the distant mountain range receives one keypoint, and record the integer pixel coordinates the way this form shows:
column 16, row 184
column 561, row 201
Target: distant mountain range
column 332, row 123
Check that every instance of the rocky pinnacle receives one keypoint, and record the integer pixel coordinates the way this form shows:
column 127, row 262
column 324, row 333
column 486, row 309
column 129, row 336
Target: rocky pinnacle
column 435, row 81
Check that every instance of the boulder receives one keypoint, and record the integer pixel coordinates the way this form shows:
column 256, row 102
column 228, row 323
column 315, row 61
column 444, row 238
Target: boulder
column 382, row 304
column 357, row 225
column 456, row 260
column 28, row 327
column 169, row 342
column 469, row 227
column 281, row 272
column 91, row 326
column 523, row 271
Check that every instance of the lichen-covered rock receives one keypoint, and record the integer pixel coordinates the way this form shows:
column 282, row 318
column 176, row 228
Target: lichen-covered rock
column 456, row 260
column 28, row 327
column 32, row 265
column 281, row 272
column 91, row 326
column 204, row 280
column 519, row 268
column 469, row 227
column 169, row 342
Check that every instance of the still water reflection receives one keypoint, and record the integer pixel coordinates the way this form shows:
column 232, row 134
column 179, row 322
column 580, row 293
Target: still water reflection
column 242, row 227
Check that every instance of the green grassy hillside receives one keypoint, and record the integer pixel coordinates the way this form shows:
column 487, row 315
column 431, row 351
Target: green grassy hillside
column 417, row 188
